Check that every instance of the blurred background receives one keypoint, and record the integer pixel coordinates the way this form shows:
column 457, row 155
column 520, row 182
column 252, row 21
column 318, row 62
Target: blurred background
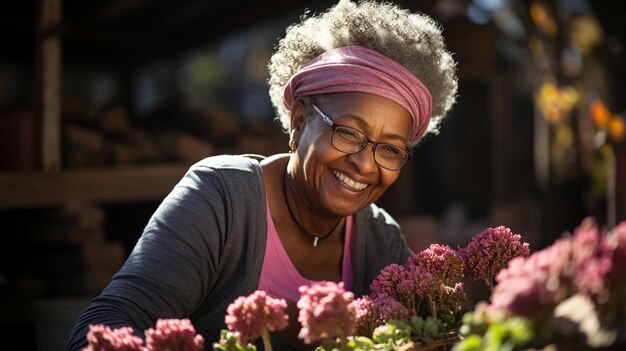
column 104, row 104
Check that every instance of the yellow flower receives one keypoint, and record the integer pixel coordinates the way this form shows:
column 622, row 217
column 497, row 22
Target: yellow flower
column 616, row 128
column 555, row 103
column 585, row 33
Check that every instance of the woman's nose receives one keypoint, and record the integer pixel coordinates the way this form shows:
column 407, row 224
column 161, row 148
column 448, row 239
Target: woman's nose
column 364, row 159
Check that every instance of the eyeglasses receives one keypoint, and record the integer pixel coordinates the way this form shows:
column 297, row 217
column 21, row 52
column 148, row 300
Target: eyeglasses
column 352, row 141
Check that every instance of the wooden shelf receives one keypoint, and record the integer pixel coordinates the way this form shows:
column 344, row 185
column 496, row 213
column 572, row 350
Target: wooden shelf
column 105, row 185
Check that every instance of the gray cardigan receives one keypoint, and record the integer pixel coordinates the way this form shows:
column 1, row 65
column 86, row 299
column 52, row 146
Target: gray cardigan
column 204, row 247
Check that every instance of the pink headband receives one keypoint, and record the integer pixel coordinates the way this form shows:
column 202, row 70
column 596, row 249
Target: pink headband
column 360, row 69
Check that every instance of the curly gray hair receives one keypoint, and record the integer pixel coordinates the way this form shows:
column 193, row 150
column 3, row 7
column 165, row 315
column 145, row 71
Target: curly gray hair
column 412, row 39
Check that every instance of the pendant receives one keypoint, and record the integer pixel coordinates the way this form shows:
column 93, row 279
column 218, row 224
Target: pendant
column 315, row 241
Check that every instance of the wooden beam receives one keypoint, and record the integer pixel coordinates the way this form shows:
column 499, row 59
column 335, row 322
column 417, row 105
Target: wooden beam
column 50, row 61
column 127, row 184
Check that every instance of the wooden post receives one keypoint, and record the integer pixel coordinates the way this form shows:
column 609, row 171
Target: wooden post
column 50, row 80
column 618, row 191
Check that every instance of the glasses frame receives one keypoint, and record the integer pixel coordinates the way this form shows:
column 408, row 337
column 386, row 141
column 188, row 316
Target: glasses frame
column 334, row 126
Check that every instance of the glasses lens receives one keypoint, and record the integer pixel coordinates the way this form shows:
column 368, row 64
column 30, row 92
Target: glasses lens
column 390, row 156
column 348, row 140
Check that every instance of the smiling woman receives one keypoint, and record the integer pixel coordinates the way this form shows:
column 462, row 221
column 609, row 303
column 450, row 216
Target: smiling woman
column 355, row 87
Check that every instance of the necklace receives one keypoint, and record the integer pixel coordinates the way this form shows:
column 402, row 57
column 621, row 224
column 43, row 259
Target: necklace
column 303, row 231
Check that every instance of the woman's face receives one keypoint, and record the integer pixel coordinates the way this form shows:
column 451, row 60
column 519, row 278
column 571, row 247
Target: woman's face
column 341, row 184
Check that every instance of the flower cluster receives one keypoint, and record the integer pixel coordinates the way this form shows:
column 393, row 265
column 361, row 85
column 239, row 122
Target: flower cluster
column 251, row 315
column 428, row 282
column 437, row 272
column 169, row 334
column 441, row 261
column 591, row 259
column 366, row 315
column 599, row 265
column 174, row 334
column 326, row 312
column 489, row 251
column 393, row 293
column 579, row 278
column 588, row 262
column 103, row 338
column 529, row 285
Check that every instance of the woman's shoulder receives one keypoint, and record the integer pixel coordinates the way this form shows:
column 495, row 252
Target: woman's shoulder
column 378, row 215
column 235, row 172
column 240, row 162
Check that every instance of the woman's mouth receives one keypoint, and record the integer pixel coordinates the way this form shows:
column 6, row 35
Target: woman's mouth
column 349, row 182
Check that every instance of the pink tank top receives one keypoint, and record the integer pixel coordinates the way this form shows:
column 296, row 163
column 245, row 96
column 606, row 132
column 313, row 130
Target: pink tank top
column 279, row 277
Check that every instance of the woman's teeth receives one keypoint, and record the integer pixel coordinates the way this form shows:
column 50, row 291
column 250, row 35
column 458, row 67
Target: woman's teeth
column 350, row 183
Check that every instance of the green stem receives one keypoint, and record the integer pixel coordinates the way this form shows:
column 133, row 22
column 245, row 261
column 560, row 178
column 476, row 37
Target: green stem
column 433, row 307
column 418, row 306
column 489, row 283
column 267, row 343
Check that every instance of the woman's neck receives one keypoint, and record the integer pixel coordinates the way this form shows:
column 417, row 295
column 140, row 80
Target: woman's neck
column 304, row 211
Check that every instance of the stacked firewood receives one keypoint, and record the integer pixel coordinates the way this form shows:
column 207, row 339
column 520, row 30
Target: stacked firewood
column 108, row 136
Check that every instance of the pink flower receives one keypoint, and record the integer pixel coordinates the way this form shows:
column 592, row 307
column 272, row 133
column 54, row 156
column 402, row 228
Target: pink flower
column 389, row 309
column 436, row 274
column 600, row 267
column 590, row 262
column 490, row 251
column 429, row 280
column 531, row 285
column 424, row 283
column 395, row 281
column 441, row 261
column 366, row 315
column 326, row 312
column 173, row 335
column 103, row 338
column 592, row 258
column 250, row 315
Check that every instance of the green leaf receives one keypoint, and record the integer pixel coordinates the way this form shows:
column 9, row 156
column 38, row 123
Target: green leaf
column 447, row 317
column 432, row 327
column 520, row 329
column 470, row 343
column 417, row 323
column 364, row 342
column 396, row 332
column 229, row 341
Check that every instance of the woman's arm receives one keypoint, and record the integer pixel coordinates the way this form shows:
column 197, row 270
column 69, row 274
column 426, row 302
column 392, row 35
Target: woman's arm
column 179, row 260
column 378, row 242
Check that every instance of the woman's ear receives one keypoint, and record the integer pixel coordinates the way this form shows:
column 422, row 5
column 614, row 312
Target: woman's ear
column 298, row 121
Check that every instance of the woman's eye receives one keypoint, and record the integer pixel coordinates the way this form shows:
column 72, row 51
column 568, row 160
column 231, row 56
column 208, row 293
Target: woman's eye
column 390, row 150
column 348, row 134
